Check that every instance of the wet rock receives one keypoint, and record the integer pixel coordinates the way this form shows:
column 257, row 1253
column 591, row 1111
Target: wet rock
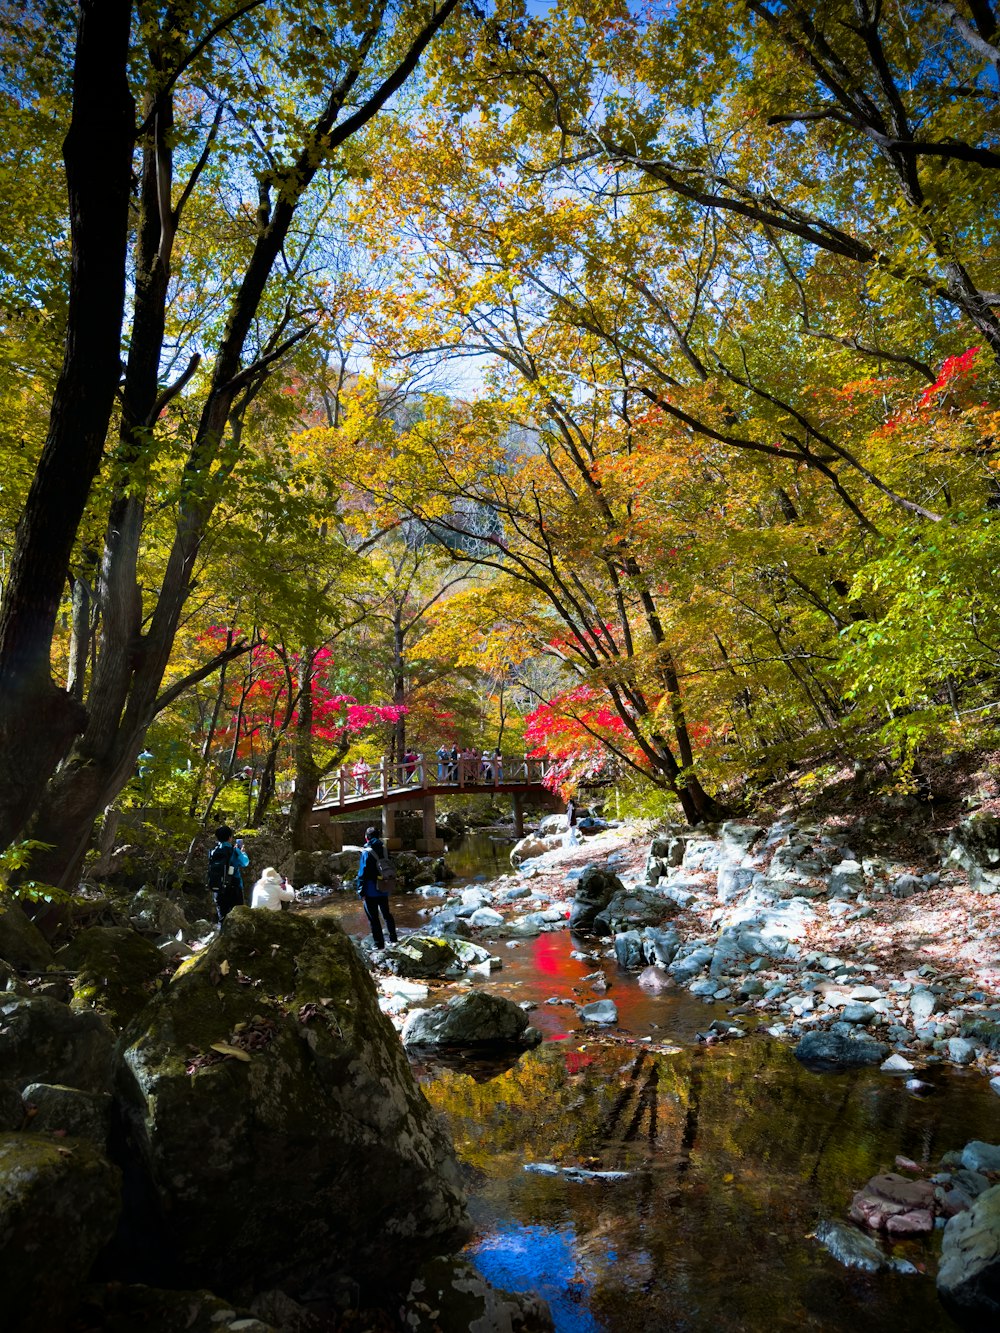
column 968, row 1279
column 630, row 908
column 851, row 1247
column 424, row 956
column 891, row 1198
column 601, row 1011
column 476, row 1019
column 660, row 945
column 594, row 891
column 985, row 1031
column 22, row 944
column 827, row 1052
column 450, row 1296
column 484, row 917
column 59, row 1205
column 979, row 1156
column 918, row 1222
column 58, row 1109
column 269, row 1102
column 45, row 1041
column 896, row 1064
column 690, row 961
column 115, row 971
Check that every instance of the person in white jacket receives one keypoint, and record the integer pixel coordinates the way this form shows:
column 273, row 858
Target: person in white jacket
column 271, row 890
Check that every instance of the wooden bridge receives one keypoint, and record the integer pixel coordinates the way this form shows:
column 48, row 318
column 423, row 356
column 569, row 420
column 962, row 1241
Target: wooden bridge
column 420, row 780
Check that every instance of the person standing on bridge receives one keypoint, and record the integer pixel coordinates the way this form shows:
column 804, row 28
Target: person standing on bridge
column 372, row 888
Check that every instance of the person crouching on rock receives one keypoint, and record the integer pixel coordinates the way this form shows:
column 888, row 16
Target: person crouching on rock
column 371, row 891
column 271, row 890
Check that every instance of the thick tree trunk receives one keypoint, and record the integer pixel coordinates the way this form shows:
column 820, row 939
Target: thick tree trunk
column 307, row 772
column 37, row 719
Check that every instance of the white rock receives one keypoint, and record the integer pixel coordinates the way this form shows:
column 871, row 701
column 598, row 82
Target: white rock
column 896, row 1064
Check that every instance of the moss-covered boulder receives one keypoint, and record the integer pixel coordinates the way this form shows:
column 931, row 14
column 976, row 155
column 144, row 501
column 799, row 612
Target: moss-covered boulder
column 55, row 1109
column 59, row 1204
column 45, row 1041
column 271, row 1104
column 11, row 982
column 115, row 1308
column 156, row 913
column 12, row 1109
column 22, row 944
column 116, row 971
column 424, row 956
column 450, row 1296
column 476, row 1019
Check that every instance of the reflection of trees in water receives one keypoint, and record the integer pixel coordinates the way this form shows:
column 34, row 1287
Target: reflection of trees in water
column 733, row 1150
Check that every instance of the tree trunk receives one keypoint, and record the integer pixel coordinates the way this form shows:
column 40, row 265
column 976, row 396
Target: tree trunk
column 37, row 719
column 307, row 772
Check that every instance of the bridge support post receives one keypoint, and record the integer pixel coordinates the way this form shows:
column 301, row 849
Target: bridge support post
column 518, row 815
column 430, row 843
column 392, row 843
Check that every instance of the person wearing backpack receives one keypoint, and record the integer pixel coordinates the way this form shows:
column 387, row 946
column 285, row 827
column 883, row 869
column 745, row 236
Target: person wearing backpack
column 373, row 884
column 226, row 862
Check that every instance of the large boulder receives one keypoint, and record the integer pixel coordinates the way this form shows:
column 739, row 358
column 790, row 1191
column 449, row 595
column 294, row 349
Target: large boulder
column 270, row 1104
column 632, row 909
column 116, row 971
column 55, row 1109
column 475, row 1019
column 22, row 944
column 59, row 1205
column 969, row 1275
column 47, row 1042
column 594, row 890
column 425, row 956
column 974, row 844
column 533, row 846
column 123, row 1309
column 829, row 1052
column 156, row 913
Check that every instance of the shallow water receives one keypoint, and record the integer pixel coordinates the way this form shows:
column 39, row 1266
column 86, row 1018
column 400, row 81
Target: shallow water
column 731, row 1155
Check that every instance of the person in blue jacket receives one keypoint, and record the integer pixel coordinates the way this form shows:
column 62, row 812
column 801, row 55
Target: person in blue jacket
column 371, row 891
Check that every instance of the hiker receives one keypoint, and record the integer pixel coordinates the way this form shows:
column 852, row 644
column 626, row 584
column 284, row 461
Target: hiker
column 226, row 862
column 443, row 758
column 360, row 772
column 373, row 886
column 410, row 762
column 271, row 890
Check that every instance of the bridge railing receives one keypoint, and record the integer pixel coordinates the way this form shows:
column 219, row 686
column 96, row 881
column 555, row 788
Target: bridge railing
column 419, row 772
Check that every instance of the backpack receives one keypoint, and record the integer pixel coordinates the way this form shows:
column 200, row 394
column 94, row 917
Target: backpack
column 220, row 866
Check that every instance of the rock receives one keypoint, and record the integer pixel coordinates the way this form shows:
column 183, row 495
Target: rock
column 12, row 1109
column 732, row 881
column 961, row 1051
column 857, row 1013
column 269, row 1101
column 450, row 1296
column 10, row 982
column 59, row 1205
column 668, row 848
column 531, row 846
column 22, row 944
column 156, row 914
column 58, row 1109
column 979, row 1156
column 825, row 1052
column 701, row 854
column 995, row 1084
column 738, row 837
column 984, row 1030
column 115, row 970
column 424, row 956
column 629, row 950
column 845, row 879
column 918, row 1222
column 47, row 1042
column 124, row 1309
column 974, row 844
column 594, row 890
column 896, row 1064
column 485, row 917
column 851, row 1247
column 968, row 1279
column 601, row 1011
column 476, row 1019
column 631, row 908
column 905, row 886
column 922, row 1004
column 660, row 946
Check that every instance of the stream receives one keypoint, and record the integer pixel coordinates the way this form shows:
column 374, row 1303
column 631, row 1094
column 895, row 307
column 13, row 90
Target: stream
column 724, row 1158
